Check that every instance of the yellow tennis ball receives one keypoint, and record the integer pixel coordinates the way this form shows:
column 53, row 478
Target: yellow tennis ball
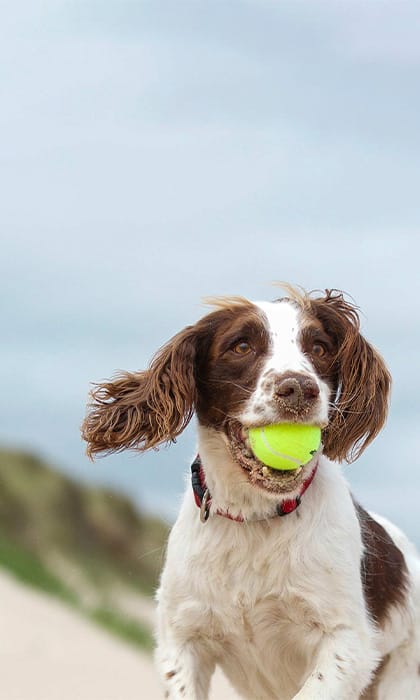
column 285, row 445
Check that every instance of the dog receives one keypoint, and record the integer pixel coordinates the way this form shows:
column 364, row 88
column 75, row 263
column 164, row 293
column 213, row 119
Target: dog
column 279, row 577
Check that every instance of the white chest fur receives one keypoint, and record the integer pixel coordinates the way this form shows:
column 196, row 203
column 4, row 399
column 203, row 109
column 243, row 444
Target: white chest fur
column 261, row 595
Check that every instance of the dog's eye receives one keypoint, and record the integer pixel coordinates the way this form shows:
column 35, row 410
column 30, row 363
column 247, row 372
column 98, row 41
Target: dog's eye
column 319, row 349
column 242, row 348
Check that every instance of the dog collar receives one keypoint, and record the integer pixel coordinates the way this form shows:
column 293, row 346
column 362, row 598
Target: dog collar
column 202, row 495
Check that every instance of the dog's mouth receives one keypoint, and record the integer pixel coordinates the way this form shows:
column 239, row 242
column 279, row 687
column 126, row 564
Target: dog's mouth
column 259, row 474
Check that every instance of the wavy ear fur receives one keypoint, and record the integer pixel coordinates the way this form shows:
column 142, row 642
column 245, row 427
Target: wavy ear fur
column 362, row 381
column 140, row 410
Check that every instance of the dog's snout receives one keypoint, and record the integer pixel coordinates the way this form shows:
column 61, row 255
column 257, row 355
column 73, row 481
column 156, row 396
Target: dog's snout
column 295, row 389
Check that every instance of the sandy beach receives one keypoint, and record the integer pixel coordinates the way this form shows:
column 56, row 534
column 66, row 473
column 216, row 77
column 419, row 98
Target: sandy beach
column 49, row 652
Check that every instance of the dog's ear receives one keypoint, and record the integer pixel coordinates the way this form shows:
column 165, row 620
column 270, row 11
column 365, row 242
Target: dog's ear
column 362, row 381
column 140, row 410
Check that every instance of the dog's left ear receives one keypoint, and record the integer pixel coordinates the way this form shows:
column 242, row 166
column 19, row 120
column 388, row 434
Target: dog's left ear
column 363, row 382
column 141, row 410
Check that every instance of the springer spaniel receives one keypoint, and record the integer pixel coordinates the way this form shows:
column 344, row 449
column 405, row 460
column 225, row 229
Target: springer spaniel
column 322, row 604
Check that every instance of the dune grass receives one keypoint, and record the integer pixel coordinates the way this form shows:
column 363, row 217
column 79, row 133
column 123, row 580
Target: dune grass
column 125, row 627
column 30, row 570
column 80, row 544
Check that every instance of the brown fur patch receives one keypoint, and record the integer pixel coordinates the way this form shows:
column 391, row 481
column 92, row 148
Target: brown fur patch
column 226, row 380
column 359, row 380
column 383, row 569
column 143, row 409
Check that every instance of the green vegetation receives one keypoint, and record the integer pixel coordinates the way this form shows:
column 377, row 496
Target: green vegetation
column 29, row 569
column 125, row 627
column 88, row 546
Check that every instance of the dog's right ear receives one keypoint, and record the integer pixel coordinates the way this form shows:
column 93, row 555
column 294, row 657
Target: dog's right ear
column 140, row 410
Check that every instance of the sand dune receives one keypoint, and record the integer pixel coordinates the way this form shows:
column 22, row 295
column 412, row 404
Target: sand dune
column 49, row 652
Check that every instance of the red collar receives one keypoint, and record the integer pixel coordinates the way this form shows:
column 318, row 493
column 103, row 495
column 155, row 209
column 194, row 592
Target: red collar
column 202, row 495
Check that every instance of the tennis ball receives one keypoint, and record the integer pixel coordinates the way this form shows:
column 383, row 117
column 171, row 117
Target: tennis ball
column 285, row 445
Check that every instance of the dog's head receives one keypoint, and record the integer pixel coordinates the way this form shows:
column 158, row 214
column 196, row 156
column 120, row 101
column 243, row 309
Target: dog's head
column 298, row 359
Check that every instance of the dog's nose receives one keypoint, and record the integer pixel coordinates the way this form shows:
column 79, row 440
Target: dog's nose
column 296, row 389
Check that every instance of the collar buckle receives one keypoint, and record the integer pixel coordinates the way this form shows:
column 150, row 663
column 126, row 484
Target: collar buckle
column 205, row 507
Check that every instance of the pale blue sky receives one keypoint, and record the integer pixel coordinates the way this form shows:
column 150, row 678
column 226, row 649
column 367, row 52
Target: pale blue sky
column 154, row 153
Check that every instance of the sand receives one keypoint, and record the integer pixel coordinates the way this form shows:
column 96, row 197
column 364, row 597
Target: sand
column 49, row 652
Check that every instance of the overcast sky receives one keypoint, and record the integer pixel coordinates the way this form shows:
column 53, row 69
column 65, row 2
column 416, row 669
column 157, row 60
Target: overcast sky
column 157, row 152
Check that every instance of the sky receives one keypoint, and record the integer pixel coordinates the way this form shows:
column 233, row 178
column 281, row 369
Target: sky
column 155, row 153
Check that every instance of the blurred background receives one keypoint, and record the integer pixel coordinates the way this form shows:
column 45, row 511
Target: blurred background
column 154, row 153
